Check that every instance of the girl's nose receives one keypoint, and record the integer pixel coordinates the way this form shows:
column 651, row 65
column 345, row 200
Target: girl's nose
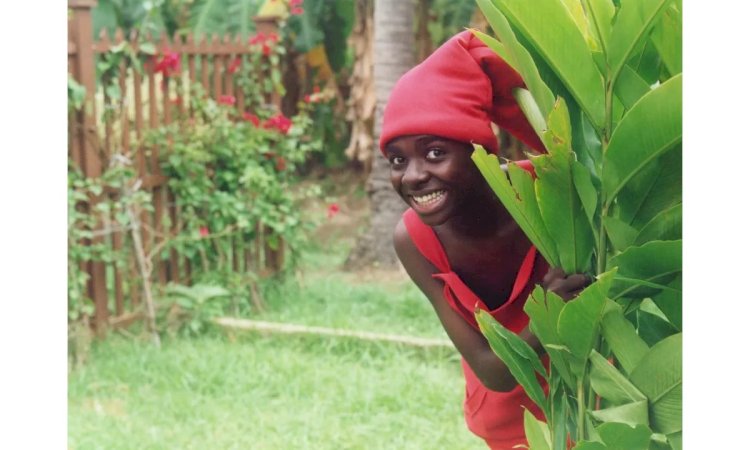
column 415, row 174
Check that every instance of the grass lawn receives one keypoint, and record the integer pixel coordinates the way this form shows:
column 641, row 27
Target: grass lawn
column 266, row 391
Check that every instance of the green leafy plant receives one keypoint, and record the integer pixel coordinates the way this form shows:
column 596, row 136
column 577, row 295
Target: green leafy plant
column 187, row 310
column 230, row 173
column 603, row 92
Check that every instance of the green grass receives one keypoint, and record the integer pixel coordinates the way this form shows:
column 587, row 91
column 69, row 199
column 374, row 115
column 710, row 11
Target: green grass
column 260, row 391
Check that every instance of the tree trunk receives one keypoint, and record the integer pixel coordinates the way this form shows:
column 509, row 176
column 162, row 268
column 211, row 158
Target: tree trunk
column 393, row 56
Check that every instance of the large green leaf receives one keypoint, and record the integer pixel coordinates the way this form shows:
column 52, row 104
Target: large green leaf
column 620, row 233
column 659, row 377
column 589, row 445
column 620, row 436
column 630, row 87
column 559, row 203
column 587, row 193
column 633, row 22
column 600, row 13
column 519, row 199
column 653, row 328
column 543, row 309
column 562, row 46
column 622, row 338
column 635, row 413
column 675, row 440
column 518, row 356
column 665, row 226
column 667, row 37
column 518, row 57
column 648, row 130
column 558, row 399
column 578, row 325
column 657, row 187
column 669, row 302
column 612, row 385
column 654, row 262
column 537, row 432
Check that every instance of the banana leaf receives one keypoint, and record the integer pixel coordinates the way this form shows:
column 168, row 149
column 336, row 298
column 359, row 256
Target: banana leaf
column 657, row 187
column 600, row 14
column 620, row 436
column 655, row 263
column 635, row 413
column 622, row 338
column 669, row 302
column 659, row 376
column 633, row 22
column 563, row 47
column 667, row 37
column 558, row 200
column 612, row 385
column 543, row 309
column 519, row 199
column 537, row 432
column 578, row 325
column 648, row 130
column 621, row 234
column 653, row 325
column 517, row 355
column 665, row 226
column 518, row 57
column 630, row 87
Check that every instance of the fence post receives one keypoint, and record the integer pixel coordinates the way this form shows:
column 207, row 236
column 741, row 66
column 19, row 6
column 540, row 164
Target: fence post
column 274, row 257
column 82, row 35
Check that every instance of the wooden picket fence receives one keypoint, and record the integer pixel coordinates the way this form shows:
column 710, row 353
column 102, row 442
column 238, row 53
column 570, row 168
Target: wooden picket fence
column 149, row 100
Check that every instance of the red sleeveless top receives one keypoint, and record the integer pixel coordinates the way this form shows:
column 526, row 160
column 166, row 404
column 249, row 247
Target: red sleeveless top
column 497, row 417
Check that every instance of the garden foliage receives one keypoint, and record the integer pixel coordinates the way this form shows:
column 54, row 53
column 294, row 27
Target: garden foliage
column 604, row 94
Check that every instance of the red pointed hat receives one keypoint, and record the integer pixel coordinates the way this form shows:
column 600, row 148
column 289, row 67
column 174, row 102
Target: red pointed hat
column 455, row 93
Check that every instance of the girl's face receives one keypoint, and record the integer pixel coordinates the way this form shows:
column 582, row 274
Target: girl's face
column 435, row 176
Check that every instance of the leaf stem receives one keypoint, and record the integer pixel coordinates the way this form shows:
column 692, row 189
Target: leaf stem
column 581, row 411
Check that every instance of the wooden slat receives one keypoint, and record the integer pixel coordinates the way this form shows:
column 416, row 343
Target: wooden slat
column 204, row 64
column 217, row 70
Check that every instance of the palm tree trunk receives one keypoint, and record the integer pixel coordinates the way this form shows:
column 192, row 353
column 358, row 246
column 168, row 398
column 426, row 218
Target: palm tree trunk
column 393, row 56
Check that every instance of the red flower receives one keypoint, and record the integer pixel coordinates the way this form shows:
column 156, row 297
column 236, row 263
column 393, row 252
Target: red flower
column 269, row 155
column 227, row 100
column 168, row 65
column 203, row 231
column 266, row 49
column 273, row 37
column 279, row 122
column 257, row 39
column 295, row 3
column 316, row 89
column 177, row 101
column 307, row 98
column 234, row 65
column 252, row 118
column 333, row 209
column 296, row 11
column 280, row 163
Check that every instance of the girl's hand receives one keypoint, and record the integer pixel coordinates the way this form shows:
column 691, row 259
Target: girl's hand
column 566, row 286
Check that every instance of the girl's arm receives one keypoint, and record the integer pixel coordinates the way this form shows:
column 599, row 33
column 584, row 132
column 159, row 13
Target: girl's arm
column 472, row 345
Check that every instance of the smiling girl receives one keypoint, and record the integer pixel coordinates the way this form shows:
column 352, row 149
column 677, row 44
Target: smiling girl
column 457, row 242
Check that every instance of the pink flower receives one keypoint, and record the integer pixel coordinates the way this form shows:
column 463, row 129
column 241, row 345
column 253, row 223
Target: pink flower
column 296, row 11
column 333, row 209
column 203, row 231
column 295, row 3
column 252, row 118
column 307, row 98
column 279, row 122
column 234, row 65
column 280, row 163
column 227, row 100
column 168, row 65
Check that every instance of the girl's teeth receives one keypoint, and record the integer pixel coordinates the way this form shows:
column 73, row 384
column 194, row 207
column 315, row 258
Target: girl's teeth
column 429, row 198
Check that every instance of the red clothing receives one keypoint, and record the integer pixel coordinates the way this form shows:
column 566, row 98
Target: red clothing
column 497, row 417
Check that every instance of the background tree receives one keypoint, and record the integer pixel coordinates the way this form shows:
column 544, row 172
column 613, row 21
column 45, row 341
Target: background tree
column 393, row 56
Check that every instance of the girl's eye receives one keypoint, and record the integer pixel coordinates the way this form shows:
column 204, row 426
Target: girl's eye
column 397, row 160
column 435, row 153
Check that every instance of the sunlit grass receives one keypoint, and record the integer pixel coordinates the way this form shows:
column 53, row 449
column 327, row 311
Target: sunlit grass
column 259, row 391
